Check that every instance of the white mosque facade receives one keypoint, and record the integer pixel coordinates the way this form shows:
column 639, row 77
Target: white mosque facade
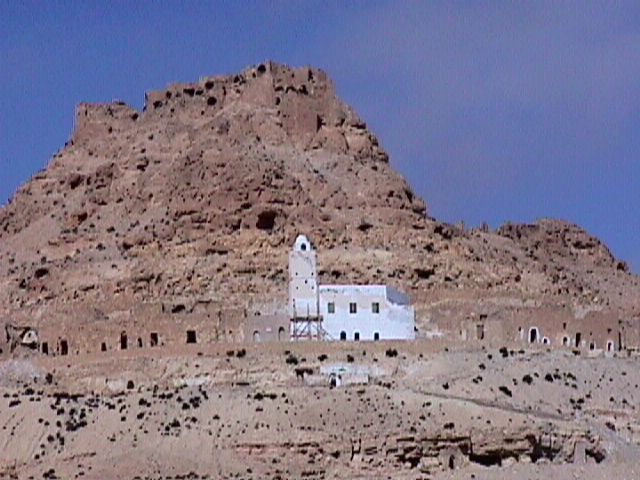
column 345, row 312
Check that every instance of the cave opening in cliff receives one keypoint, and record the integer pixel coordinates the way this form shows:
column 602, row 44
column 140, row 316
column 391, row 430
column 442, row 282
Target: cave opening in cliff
column 191, row 336
column 489, row 459
column 266, row 220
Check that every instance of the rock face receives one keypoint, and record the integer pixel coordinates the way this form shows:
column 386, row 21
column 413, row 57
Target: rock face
column 198, row 198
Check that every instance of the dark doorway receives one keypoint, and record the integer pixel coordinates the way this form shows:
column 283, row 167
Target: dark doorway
column 376, row 336
column 281, row 334
column 356, row 336
column 480, row 331
column 343, row 335
column 103, row 347
column 452, row 462
column 139, row 342
column 64, row 347
column 191, row 336
column 578, row 339
column 533, row 335
column 45, row 348
column 154, row 339
column 123, row 341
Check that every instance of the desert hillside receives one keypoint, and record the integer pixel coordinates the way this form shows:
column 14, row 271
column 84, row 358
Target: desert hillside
column 198, row 198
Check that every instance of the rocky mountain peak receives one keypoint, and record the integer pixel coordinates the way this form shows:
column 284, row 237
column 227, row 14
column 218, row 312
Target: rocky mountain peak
column 198, row 198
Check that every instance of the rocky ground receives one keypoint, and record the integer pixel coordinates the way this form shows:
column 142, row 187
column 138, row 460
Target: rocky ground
column 265, row 411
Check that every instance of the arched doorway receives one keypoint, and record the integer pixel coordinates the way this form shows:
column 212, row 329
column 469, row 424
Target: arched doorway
column 610, row 346
column 256, row 336
column 534, row 334
column 376, row 336
column 343, row 335
column 356, row 336
column 281, row 334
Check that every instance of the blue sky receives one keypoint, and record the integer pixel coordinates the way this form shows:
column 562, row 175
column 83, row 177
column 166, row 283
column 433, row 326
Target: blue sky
column 494, row 111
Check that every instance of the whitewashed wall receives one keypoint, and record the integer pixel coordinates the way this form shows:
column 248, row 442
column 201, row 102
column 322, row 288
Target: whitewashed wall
column 303, row 279
column 395, row 321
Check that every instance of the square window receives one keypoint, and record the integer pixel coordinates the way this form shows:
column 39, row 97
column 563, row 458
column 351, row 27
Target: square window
column 331, row 307
column 375, row 307
column 353, row 307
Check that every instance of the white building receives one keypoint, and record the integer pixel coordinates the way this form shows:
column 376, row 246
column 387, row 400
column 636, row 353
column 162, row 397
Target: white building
column 345, row 312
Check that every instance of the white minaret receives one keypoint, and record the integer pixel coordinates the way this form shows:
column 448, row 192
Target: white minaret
column 303, row 280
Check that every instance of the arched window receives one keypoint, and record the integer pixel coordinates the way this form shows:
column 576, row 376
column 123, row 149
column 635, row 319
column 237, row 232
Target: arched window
column 356, row 336
column 546, row 341
column 256, row 336
column 376, row 336
column 281, row 334
column 565, row 341
column 592, row 346
column 343, row 335
column 610, row 346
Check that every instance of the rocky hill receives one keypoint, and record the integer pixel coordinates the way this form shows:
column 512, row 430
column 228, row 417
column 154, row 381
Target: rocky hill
column 199, row 197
